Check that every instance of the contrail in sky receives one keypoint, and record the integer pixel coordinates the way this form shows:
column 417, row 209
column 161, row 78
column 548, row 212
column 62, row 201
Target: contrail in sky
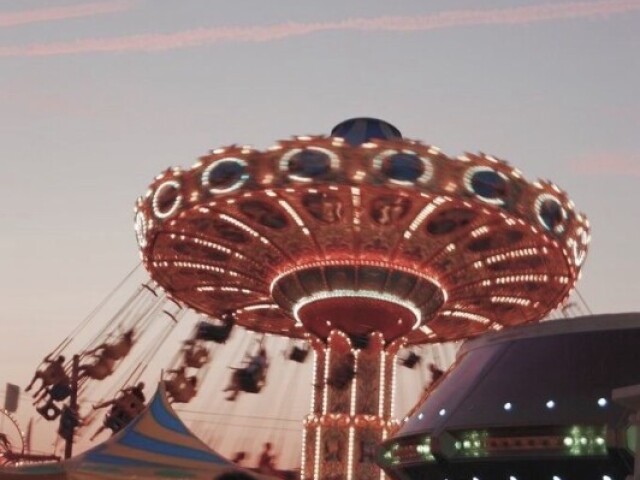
column 215, row 35
column 608, row 164
column 13, row 19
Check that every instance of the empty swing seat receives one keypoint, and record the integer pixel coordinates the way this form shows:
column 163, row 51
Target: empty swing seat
column 213, row 333
column 298, row 354
column 411, row 360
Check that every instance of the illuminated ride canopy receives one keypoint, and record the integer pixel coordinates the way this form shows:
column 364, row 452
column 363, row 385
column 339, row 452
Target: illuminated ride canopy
column 389, row 235
column 362, row 234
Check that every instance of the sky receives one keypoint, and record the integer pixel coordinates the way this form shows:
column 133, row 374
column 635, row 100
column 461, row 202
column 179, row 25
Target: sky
column 96, row 98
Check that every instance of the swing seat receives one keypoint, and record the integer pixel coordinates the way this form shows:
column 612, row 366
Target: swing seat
column 132, row 406
column 117, row 419
column 213, row 333
column 411, row 360
column 298, row 354
column 49, row 411
column 197, row 361
column 250, row 381
column 60, row 391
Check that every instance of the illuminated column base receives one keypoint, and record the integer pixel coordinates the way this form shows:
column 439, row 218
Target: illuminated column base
column 351, row 408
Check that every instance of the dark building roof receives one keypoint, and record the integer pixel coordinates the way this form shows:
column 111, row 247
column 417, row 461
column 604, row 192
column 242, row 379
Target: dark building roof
column 538, row 381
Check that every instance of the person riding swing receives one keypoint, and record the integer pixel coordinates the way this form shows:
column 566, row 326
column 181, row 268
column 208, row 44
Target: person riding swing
column 52, row 374
column 180, row 387
column 196, row 354
column 249, row 378
column 106, row 355
column 99, row 369
column 116, row 350
column 217, row 333
column 127, row 405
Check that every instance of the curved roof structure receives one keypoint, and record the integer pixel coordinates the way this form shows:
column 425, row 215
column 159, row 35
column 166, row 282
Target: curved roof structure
column 534, row 392
column 318, row 231
column 154, row 445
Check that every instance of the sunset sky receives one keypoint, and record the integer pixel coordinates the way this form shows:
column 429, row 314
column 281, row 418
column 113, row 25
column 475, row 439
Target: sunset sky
column 98, row 97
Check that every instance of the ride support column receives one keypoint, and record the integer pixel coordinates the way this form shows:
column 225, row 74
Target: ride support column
column 351, row 407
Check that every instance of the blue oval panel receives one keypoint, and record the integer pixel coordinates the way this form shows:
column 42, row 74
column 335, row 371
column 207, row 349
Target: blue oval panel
column 225, row 174
column 309, row 164
column 489, row 184
column 403, row 167
column 551, row 214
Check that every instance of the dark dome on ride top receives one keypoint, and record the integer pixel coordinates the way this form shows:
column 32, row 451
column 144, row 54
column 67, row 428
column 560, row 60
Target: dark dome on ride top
column 361, row 130
column 361, row 231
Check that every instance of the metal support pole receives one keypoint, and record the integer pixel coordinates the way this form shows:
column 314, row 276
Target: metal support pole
column 73, row 404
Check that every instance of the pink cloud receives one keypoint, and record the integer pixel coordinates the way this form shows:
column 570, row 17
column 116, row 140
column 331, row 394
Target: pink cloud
column 13, row 19
column 446, row 19
column 608, row 164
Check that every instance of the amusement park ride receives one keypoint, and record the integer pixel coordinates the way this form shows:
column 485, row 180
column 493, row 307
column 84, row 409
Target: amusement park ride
column 358, row 244
column 361, row 243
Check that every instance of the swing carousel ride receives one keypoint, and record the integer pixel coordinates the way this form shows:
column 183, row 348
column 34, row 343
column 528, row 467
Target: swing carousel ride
column 363, row 248
column 359, row 243
column 131, row 332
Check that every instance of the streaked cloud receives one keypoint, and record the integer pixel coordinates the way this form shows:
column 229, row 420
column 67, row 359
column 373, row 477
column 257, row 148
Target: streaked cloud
column 602, row 164
column 446, row 19
column 87, row 9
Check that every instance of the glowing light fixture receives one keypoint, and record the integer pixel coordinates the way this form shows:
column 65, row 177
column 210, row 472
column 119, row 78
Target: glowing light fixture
column 323, row 295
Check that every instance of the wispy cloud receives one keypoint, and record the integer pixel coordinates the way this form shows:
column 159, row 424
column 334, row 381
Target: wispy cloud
column 44, row 103
column 13, row 19
column 446, row 19
column 602, row 164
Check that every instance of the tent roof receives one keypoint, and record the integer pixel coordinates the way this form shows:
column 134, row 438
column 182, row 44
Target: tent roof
column 154, row 445
column 156, row 437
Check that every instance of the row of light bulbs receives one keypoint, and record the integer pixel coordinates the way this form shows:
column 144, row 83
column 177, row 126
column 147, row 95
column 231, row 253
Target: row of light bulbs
column 508, row 406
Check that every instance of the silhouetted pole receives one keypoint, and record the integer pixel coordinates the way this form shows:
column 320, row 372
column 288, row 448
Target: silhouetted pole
column 73, row 406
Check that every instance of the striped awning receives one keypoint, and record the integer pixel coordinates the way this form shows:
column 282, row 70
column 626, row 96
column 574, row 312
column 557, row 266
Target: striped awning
column 155, row 445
